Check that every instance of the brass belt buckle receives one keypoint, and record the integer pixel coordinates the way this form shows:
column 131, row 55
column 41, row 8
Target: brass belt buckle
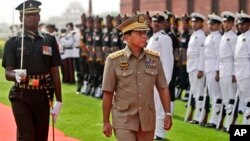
column 34, row 82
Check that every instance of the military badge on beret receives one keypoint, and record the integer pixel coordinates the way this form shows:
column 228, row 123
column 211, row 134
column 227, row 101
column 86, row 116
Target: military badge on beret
column 141, row 19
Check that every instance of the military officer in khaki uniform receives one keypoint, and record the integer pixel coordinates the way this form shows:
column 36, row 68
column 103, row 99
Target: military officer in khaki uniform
column 128, row 86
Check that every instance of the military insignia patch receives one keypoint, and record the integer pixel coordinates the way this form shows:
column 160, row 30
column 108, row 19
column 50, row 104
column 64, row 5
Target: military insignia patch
column 47, row 50
column 141, row 19
column 124, row 65
column 150, row 63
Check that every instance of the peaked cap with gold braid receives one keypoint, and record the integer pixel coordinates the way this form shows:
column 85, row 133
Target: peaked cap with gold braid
column 31, row 6
column 136, row 22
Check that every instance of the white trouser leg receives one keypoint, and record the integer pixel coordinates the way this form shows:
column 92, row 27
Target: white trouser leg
column 229, row 115
column 215, row 95
column 198, row 108
column 197, row 89
column 160, row 115
column 228, row 89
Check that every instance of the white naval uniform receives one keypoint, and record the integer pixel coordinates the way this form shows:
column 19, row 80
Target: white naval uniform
column 67, row 42
column 162, row 43
column 195, row 63
column 212, row 45
column 76, row 49
column 226, row 68
column 242, row 72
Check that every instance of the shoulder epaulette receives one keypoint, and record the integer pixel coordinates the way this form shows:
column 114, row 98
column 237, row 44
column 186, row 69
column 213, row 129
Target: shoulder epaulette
column 116, row 54
column 152, row 52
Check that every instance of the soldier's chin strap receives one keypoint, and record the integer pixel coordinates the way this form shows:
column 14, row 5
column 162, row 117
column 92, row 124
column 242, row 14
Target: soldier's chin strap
column 22, row 42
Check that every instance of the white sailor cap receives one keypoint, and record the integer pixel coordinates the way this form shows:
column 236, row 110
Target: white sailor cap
column 158, row 16
column 243, row 18
column 197, row 17
column 212, row 19
column 228, row 16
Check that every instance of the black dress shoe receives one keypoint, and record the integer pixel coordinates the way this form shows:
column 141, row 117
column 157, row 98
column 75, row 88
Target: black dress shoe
column 224, row 129
column 194, row 122
column 203, row 124
column 210, row 125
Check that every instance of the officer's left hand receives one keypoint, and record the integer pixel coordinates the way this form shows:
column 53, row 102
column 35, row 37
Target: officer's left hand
column 167, row 122
column 107, row 129
column 56, row 110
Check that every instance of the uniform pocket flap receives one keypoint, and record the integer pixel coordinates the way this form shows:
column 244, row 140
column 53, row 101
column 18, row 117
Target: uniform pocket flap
column 120, row 106
column 151, row 71
column 124, row 73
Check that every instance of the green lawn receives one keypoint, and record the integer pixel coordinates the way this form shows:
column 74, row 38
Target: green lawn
column 81, row 118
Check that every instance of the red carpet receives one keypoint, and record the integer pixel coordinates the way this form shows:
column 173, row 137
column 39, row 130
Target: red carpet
column 8, row 127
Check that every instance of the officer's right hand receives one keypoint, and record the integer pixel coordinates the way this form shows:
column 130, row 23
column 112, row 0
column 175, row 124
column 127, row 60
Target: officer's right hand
column 107, row 129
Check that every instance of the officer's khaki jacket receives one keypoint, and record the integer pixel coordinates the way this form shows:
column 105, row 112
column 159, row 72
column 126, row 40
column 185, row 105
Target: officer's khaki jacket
column 132, row 80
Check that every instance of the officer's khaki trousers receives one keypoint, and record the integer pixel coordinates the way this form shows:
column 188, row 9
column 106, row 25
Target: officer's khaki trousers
column 129, row 135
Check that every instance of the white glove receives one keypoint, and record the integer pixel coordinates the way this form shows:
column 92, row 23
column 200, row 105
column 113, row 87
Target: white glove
column 56, row 110
column 19, row 74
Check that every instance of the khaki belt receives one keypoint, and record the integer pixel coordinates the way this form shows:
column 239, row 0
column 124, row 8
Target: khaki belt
column 34, row 82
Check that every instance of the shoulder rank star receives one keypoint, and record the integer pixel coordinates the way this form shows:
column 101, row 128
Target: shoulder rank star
column 150, row 63
column 124, row 65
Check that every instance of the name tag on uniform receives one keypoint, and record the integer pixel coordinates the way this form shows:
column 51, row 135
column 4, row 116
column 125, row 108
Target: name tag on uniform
column 47, row 50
